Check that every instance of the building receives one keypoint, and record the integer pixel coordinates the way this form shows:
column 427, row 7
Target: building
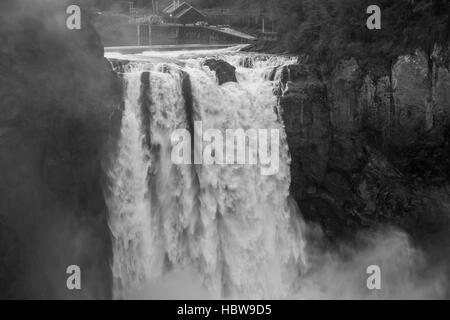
column 183, row 13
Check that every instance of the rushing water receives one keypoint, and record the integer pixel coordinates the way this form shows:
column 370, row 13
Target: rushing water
column 226, row 231
column 230, row 225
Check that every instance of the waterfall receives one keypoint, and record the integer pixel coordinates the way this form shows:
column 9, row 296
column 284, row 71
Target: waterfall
column 235, row 228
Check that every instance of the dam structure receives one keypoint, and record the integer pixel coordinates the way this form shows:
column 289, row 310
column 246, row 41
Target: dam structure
column 174, row 34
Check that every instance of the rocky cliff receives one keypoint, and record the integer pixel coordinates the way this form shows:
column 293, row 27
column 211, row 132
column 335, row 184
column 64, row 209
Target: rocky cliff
column 371, row 150
column 58, row 97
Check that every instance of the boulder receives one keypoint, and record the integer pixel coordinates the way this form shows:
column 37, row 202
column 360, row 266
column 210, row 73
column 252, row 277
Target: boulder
column 225, row 72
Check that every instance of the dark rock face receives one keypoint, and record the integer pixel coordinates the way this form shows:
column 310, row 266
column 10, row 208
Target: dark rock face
column 225, row 72
column 306, row 115
column 365, row 152
column 58, row 98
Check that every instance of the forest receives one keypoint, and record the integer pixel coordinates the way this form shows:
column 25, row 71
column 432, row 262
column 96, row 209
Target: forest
column 330, row 30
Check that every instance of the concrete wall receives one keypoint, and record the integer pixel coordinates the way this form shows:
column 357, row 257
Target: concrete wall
column 127, row 35
column 176, row 34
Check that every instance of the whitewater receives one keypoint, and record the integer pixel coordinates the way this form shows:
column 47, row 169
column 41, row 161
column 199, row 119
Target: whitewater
column 232, row 229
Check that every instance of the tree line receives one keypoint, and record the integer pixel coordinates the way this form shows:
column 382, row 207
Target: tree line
column 331, row 29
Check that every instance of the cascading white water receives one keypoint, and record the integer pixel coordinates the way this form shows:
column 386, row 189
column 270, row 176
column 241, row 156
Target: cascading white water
column 233, row 226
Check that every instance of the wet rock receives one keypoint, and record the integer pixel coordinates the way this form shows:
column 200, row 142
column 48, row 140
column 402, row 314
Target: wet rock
column 225, row 72
column 360, row 146
column 305, row 112
column 411, row 92
column 247, row 62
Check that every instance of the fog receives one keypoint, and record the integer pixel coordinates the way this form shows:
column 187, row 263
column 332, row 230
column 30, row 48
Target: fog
column 333, row 275
column 54, row 132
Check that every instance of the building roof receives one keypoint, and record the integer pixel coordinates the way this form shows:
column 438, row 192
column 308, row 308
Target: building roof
column 177, row 11
column 182, row 7
column 170, row 8
column 173, row 7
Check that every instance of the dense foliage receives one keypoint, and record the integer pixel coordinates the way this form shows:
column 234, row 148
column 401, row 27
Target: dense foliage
column 331, row 29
